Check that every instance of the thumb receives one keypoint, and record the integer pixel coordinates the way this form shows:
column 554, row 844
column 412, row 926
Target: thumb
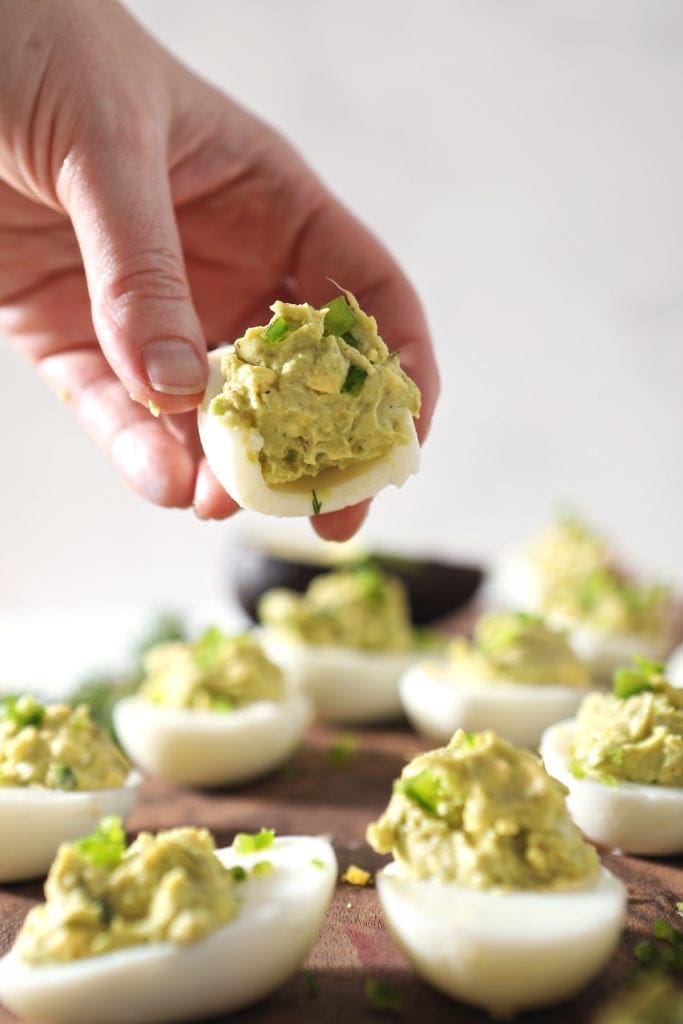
column 121, row 208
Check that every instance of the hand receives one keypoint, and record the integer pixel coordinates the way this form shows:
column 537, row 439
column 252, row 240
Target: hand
column 143, row 215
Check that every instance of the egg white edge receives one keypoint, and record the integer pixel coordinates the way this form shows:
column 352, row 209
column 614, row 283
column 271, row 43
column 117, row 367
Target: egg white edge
column 504, row 951
column 186, row 726
column 30, row 839
column 345, row 684
column 438, row 702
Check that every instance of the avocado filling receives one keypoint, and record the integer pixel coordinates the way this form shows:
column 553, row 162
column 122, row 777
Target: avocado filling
column 213, row 673
column 57, row 747
column 102, row 896
column 634, row 734
column 320, row 387
column 517, row 648
column 361, row 608
column 484, row 814
column 612, row 603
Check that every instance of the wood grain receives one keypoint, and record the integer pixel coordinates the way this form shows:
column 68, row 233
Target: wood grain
column 314, row 794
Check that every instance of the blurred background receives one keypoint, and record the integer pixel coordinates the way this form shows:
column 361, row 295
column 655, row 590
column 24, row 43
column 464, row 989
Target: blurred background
column 524, row 162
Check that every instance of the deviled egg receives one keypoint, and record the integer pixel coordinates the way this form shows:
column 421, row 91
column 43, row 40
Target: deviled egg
column 59, row 774
column 566, row 551
column 346, row 642
column 168, row 928
column 609, row 617
column 212, row 712
column 622, row 761
column 517, row 676
column 310, row 413
column 493, row 895
column 572, row 576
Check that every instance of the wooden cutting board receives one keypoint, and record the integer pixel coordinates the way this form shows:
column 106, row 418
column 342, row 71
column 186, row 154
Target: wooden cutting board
column 322, row 792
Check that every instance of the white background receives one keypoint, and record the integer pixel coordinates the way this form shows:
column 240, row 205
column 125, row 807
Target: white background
column 524, row 161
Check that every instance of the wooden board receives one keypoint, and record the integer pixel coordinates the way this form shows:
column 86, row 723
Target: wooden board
column 315, row 794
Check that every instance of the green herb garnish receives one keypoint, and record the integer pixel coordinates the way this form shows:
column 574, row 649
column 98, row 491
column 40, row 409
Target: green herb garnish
column 262, row 867
column 354, row 381
column 22, row 711
column 640, row 678
column 250, row 842
column 340, row 318
column 371, row 581
column 106, row 845
column 343, row 749
column 276, row 330
column 382, row 996
column 576, row 768
column 62, row 777
column 317, row 505
column 317, row 862
column 238, row 873
column 423, row 789
column 311, row 983
column 665, row 951
column 220, row 703
column 207, row 648
column 350, row 340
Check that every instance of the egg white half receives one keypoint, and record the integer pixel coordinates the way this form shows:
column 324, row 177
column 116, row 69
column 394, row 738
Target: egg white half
column 232, row 454
column 503, row 951
column 279, row 916
column 211, row 748
column 35, row 820
column 515, row 582
column 674, row 668
column 631, row 816
column 437, row 703
column 345, row 684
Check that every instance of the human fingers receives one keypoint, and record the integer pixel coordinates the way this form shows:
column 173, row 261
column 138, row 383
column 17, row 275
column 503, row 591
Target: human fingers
column 155, row 464
column 342, row 525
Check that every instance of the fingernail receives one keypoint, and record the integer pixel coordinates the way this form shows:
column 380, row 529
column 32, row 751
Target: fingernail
column 173, row 367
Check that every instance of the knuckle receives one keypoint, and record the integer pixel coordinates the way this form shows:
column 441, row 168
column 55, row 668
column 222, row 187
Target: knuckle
column 153, row 275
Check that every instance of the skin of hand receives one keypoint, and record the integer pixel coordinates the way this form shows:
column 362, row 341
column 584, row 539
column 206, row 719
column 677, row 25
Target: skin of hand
column 145, row 216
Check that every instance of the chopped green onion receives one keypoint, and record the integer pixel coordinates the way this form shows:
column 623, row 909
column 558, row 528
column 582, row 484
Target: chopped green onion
column 638, row 678
column 350, row 340
column 238, row 873
column 262, row 867
column 220, row 703
column 62, row 776
column 311, row 983
column 276, row 330
column 22, row 711
column 340, row 318
column 343, row 749
column 106, row 845
column 616, row 755
column 354, row 381
column 317, row 862
column 423, row 789
column 383, row 996
column 317, row 505
column 371, row 581
column 207, row 648
column 250, row 842
column 663, row 930
column 679, row 907
column 576, row 768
